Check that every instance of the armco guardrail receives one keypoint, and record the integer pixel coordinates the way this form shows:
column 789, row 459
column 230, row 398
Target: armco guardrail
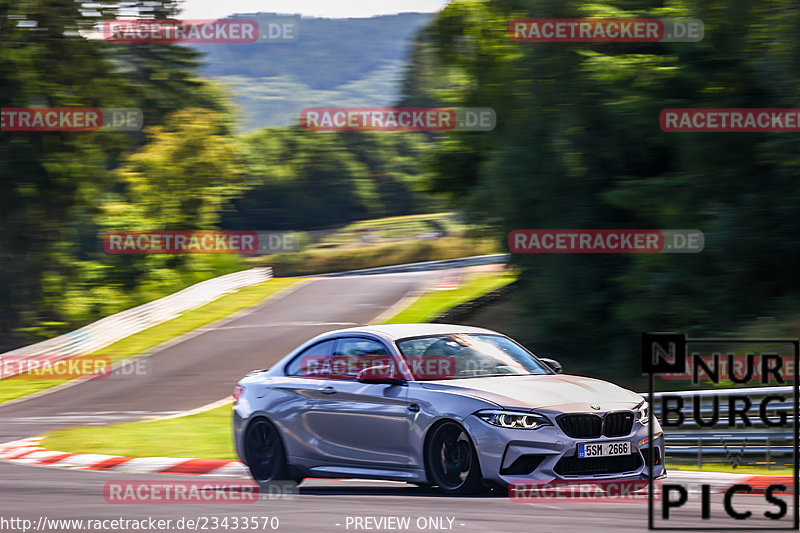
column 758, row 443
column 461, row 262
column 109, row 330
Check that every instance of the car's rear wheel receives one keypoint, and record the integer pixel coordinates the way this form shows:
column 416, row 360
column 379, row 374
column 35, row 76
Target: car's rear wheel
column 452, row 460
column 265, row 454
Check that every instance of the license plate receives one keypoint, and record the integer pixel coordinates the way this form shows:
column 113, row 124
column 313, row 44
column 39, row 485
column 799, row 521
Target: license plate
column 603, row 449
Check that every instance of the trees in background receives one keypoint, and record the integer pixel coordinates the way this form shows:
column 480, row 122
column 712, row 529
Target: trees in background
column 578, row 145
column 310, row 180
column 51, row 183
column 61, row 191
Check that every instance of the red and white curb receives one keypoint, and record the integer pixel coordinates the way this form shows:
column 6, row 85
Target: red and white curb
column 450, row 280
column 722, row 481
column 28, row 451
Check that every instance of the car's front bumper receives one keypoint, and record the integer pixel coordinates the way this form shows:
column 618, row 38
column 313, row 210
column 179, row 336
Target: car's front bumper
column 510, row 456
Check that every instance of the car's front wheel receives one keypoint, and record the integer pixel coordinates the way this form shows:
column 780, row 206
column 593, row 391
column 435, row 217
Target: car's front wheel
column 452, row 460
column 264, row 451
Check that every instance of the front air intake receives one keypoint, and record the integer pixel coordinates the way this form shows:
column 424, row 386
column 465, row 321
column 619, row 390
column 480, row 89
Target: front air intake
column 618, row 424
column 590, row 426
column 581, row 426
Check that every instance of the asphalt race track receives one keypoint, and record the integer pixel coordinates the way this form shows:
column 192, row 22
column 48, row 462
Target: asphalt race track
column 204, row 367
column 35, row 492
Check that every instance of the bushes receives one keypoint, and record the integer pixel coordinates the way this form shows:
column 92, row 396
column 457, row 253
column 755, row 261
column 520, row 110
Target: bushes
column 321, row 261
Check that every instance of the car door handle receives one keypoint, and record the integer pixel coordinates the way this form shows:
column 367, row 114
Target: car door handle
column 414, row 408
column 328, row 390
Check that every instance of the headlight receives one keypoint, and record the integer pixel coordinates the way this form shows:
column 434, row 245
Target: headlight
column 514, row 419
column 643, row 413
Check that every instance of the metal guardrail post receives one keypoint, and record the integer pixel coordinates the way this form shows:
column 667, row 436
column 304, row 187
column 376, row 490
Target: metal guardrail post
column 768, row 457
column 700, row 453
column 747, row 446
column 461, row 262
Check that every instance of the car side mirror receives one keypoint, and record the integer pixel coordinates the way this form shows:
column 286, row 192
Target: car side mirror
column 554, row 365
column 383, row 374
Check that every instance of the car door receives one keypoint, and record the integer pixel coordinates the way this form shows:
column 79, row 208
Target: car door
column 362, row 424
column 302, row 388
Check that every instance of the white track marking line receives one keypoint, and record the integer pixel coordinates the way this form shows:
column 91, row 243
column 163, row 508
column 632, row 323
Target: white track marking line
column 197, row 410
column 144, row 465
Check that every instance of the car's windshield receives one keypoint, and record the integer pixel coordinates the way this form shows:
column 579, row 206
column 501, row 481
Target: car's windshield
column 456, row 356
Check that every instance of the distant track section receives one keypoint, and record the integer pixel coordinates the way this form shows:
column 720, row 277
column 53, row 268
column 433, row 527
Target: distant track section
column 111, row 329
column 461, row 262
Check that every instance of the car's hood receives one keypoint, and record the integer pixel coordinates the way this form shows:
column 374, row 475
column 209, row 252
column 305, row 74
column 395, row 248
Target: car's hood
column 562, row 392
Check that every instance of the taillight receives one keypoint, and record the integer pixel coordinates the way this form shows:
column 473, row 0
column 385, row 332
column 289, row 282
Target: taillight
column 238, row 390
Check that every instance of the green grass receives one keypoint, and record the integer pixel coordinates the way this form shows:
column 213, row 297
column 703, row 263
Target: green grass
column 139, row 343
column 320, row 260
column 205, row 435
column 383, row 242
column 434, row 303
column 404, row 227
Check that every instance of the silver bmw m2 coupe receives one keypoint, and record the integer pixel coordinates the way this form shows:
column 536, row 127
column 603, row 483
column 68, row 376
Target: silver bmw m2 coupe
column 455, row 407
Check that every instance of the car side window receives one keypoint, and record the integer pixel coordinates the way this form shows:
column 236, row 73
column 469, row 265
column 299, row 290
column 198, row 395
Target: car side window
column 311, row 361
column 358, row 346
column 353, row 354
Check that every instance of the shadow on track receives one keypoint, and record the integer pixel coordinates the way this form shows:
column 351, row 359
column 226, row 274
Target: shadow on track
column 400, row 490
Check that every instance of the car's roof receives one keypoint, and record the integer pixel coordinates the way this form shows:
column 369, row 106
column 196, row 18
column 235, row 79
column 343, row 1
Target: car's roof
column 400, row 331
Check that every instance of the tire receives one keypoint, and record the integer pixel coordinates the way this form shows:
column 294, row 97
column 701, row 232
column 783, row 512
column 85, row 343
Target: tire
column 452, row 460
column 265, row 453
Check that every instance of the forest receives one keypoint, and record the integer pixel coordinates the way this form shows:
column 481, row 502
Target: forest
column 577, row 145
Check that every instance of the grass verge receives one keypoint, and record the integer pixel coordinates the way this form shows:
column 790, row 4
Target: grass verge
column 207, row 435
column 322, row 261
column 402, row 227
column 436, row 302
column 139, row 343
column 204, row 435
